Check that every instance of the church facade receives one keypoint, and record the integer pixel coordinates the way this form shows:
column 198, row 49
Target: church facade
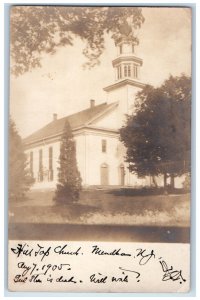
column 100, row 154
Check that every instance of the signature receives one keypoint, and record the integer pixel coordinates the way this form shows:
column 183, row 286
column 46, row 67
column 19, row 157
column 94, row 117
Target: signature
column 170, row 273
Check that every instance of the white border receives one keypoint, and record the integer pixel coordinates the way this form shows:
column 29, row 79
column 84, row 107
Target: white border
column 197, row 126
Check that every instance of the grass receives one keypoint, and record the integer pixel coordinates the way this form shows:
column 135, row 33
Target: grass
column 127, row 207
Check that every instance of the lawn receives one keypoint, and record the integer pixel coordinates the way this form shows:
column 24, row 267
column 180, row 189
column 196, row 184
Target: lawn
column 116, row 207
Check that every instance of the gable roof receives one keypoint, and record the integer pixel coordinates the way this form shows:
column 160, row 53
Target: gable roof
column 76, row 120
column 122, row 83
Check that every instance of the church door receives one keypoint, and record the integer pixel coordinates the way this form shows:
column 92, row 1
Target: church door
column 121, row 175
column 104, row 174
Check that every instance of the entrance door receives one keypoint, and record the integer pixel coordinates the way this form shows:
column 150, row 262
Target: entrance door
column 104, row 174
column 121, row 175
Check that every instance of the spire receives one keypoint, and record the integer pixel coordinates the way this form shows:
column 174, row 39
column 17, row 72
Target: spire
column 127, row 64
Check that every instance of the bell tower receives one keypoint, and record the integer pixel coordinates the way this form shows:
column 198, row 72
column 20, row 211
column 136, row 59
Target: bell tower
column 127, row 67
column 127, row 64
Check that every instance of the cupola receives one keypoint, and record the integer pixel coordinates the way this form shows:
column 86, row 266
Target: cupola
column 127, row 64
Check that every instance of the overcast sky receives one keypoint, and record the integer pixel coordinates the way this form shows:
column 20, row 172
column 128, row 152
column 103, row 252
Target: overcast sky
column 62, row 86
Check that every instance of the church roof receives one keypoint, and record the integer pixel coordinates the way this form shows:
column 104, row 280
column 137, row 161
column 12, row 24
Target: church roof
column 123, row 82
column 76, row 120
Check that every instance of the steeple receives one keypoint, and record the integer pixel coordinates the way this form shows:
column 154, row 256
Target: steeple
column 127, row 71
column 127, row 64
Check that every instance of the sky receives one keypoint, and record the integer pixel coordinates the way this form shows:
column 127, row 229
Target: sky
column 64, row 87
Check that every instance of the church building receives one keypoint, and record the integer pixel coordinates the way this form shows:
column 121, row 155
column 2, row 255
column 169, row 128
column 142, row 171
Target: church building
column 100, row 154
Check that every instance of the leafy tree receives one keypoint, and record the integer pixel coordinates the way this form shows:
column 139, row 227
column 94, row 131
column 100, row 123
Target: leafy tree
column 157, row 134
column 36, row 30
column 19, row 177
column 69, row 180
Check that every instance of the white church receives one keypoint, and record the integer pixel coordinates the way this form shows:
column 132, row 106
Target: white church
column 100, row 154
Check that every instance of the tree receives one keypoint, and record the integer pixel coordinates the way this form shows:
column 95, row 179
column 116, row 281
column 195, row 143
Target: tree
column 19, row 177
column 36, row 30
column 69, row 180
column 157, row 134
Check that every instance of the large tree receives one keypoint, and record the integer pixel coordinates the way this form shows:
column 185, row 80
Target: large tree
column 69, row 179
column 36, row 30
column 19, row 176
column 157, row 134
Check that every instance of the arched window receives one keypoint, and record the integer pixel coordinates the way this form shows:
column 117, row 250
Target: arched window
column 121, row 175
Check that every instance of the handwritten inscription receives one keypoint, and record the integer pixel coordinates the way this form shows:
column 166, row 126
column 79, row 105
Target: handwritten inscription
column 171, row 274
column 24, row 249
column 145, row 256
column 34, row 265
column 115, row 252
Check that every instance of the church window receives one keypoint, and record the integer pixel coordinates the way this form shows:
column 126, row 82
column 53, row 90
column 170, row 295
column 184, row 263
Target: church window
column 120, row 49
column 103, row 146
column 50, row 163
column 132, row 48
column 127, row 70
column 50, row 158
column 135, row 71
column 119, row 74
column 31, row 163
column 40, row 175
column 121, row 174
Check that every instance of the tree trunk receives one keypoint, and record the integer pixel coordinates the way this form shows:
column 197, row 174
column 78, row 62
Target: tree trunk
column 172, row 181
column 154, row 182
column 165, row 181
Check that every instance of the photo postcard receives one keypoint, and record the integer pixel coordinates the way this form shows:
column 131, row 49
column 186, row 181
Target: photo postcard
column 99, row 149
